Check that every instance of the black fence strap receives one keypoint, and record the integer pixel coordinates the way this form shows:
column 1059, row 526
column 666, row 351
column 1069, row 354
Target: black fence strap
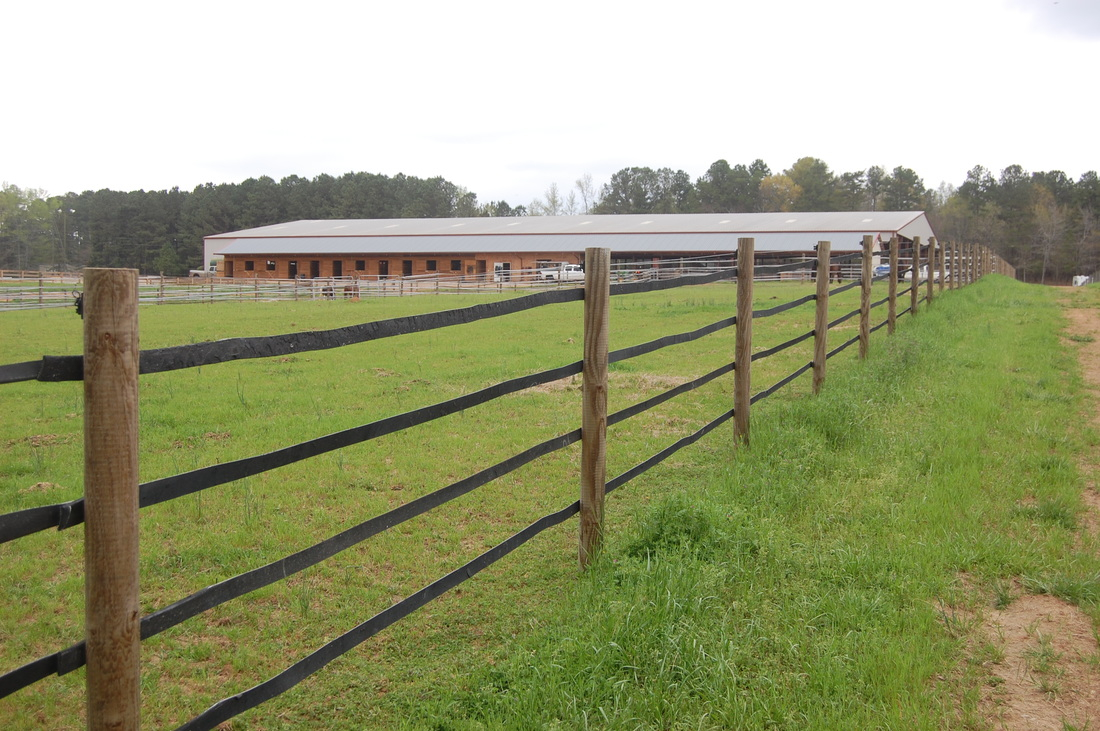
column 634, row 351
column 161, row 360
column 642, row 406
column 258, row 578
column 780, row 384
column 234, row 705
column 841, row 347
column 665, row 453
column 845, row 288
column 67, row 515
column 880, row 303
column 759, row 314
column 843, row 318
column 32, row 520
column 782, row 346
column 657, row 285
column 16, row 372
column 209, row 597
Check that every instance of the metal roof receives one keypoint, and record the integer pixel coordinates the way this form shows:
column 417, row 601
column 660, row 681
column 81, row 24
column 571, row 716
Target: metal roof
column 644, row 233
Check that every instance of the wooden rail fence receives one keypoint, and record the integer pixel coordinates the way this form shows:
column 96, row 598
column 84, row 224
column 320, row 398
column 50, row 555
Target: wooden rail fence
column 111, row 367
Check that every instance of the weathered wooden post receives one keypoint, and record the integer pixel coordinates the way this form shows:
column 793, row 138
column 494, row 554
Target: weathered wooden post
column 930, row 284
column 112, row 612
column 914, row 289
column 865, row 298
column 742, row 358
column 947, row 280
column 821, row 315
column 941, row 256
column 892, row 288
column 597, row 300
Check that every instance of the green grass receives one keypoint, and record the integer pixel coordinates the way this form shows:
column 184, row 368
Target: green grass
column 810, row 580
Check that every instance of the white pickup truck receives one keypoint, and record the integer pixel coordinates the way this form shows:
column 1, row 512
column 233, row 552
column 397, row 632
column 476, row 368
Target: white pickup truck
column 211, row 270
column 562, row 272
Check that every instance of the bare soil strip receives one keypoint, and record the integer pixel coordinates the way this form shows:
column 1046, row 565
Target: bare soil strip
column 1044, row 672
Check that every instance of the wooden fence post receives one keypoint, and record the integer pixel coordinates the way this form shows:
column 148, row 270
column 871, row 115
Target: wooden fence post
column 742, row 358
column 914, row 290
column 892, row 288
column 112, row 611
column 821, row 314
column 865, row 298
column 942, row 268
column 948, row 265
column 597, row 300
column 930, row 284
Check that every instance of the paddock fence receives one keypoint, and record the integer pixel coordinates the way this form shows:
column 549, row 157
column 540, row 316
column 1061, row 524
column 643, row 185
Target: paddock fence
column 29, row 290
column 111, row 367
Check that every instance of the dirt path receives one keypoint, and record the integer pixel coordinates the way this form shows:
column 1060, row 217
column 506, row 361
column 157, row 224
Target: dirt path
column 1043, row 663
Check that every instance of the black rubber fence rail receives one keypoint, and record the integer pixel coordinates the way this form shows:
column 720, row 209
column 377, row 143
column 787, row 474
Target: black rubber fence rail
column 782, row 346
column 234, row 705
column 161, row 360
column 843, row 318
column 69, row 514
column 840, row 348
column 66, row 515
column 844, row 288
column 209, row 597
column 780, row 383
column 761, row 314
column 52, row 368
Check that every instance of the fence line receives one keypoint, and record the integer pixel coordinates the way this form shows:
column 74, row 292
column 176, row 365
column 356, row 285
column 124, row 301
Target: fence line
column 974, row 263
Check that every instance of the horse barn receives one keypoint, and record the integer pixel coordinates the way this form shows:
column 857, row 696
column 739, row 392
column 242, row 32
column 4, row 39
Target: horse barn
column 503, row 249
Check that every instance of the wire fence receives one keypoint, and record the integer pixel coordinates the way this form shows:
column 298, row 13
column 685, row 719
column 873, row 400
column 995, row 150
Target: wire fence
column 968, row 265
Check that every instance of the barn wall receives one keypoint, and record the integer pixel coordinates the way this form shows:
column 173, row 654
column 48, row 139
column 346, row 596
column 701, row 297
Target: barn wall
column 388, row 266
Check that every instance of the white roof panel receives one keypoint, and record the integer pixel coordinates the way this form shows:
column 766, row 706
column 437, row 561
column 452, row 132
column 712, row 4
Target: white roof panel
column 708, row 232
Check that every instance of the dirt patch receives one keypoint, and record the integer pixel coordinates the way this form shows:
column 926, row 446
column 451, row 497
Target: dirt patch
column 1041, row 654
column 1044, row 674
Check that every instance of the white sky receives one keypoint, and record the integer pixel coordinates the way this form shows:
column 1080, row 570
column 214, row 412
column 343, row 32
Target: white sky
column 504, row 97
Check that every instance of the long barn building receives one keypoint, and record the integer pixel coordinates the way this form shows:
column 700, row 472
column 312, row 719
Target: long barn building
column 480, row 247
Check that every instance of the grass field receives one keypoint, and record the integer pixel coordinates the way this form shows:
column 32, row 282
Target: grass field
column 806, row 581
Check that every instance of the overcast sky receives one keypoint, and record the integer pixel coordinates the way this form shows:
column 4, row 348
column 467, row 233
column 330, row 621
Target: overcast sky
column 505, row 98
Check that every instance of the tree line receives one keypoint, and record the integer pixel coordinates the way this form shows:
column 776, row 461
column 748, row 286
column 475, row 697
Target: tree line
column 1043, row 223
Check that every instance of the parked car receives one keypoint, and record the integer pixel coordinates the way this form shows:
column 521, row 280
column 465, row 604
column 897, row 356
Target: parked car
column 882, row 270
